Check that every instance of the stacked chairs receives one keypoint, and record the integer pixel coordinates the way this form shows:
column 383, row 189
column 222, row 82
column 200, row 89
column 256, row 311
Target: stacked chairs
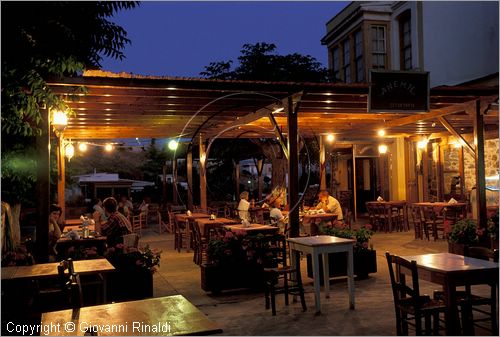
column 411, row 307
column 279, row 275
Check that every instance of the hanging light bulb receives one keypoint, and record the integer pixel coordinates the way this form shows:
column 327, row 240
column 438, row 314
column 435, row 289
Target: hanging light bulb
column 82, row 147
column 381, row 133
column 423, row 143
column 108, row 147
column 172, row 145
column 330, row 137
column 69, row 151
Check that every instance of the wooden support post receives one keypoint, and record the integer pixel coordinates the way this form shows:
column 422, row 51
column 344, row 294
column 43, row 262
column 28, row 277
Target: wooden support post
column 237, row 179
column 174, row 181
column 61, row 176
column 260, row 182
column 43, row 189
column 189, row 166
column 164, row 183
column 322, row 163
column 480, row 166
column 354, row 192
column 203, row 176
column 293, row 168
column 425, row 173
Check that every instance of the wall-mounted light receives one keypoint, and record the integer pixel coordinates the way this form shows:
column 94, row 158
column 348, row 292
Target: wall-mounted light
column 382, row 149
column 330, row 137
column 69, row 151
column 59, row 120
column 381, row 133
column 108, row 147
column 172, row 145
column 423, row 143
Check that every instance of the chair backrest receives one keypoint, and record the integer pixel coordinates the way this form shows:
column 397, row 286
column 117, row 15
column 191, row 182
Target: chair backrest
column 274, row 251
column 400, row 288
column 70, row 283
column 137, row 222
column 131, row 240
column 483, row 253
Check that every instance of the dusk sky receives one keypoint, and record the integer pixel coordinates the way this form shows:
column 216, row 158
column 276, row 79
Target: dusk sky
column 180, row 38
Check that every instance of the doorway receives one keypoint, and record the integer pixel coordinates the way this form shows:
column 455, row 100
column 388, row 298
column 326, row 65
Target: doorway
column 366, row 181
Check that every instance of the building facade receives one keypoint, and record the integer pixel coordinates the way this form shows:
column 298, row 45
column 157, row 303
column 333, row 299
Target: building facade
column 455, row 41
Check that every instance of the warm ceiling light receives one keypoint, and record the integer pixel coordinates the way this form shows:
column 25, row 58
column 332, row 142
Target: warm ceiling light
column 456, row 145
column 108, row 147
column 381, row 133
column 69, row 151
column 172, row 145
column 330, row 137
column 423, row 143
column 82, row 147
column 382, row 149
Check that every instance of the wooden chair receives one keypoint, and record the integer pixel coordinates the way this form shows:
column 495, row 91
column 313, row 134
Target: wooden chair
column 277, row 270
column 181, row 236
column 137, row 221
column 67, row 293
column 131, row 240
column 409, row 305
column 171, row 222
column 470, row 303
column 415, row 220
column 200, row 245
column 433, row 220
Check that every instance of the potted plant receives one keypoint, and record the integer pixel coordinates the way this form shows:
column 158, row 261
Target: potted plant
column 234, row 260
column 463, row 234
column 492, row 230
column 365, row 257
column 135, row 267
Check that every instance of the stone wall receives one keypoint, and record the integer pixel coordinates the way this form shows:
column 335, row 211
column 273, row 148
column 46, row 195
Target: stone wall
column 491, row 154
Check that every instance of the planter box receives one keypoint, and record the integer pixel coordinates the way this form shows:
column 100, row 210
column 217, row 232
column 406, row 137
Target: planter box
column 216, row 278
column 365, row 262
column 130, row 284
column 458, row 248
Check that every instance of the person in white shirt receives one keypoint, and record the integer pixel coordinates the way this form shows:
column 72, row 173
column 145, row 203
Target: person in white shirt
column 329, row 204
column 243, row 206
column 277, row 217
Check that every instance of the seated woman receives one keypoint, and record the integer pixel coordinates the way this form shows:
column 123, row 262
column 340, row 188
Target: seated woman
column 54, row 229
column 277, row 218
column 243, row 206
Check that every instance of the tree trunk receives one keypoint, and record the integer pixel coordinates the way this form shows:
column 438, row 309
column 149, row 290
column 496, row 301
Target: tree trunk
column 11, row 231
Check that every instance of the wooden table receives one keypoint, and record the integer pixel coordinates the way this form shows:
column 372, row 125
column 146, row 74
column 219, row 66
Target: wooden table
column 183, row 217
column 76, row 226
column 162, row 316
column 400, row 205
column 206, row 224
column 450, row 271
column 311, row 221
column 325, row 244
column 63, row 244
column 72, row 222
column 253, row 229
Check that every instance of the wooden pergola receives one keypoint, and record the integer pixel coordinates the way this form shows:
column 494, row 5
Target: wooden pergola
column 130, row 106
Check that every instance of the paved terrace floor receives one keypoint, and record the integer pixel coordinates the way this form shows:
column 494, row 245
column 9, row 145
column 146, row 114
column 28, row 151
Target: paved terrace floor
column 243, row 312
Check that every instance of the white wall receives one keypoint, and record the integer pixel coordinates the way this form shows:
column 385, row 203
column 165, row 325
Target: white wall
column 460, row 40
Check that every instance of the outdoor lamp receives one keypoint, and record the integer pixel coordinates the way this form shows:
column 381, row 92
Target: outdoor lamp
column 381, row 133
column 59, row 120
column 172, row 145
column 330, row 137
column 108, row 147
column 82, row 147
column 69, row 151
column 382, row 149
column 423, row 143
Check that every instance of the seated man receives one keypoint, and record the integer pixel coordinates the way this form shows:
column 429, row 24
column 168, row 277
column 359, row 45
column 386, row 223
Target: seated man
column 329, row 204
column 117, row 224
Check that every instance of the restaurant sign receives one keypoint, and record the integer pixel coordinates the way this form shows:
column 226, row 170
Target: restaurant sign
column 398, row 91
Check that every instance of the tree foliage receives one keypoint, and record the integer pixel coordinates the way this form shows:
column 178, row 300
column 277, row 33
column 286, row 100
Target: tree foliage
column 51, row 39
column 260, row 62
